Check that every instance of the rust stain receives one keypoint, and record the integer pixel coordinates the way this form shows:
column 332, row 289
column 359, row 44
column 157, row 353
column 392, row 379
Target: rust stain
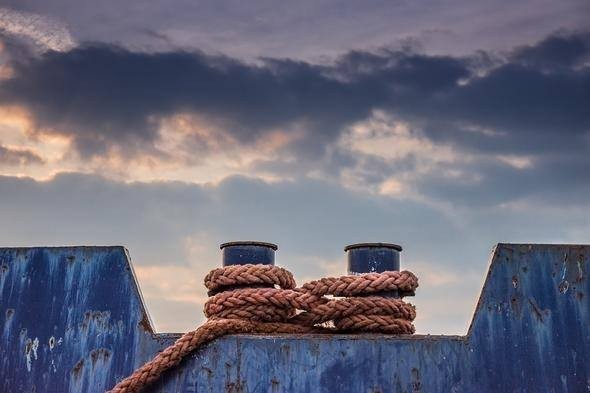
column 286, row 351
column 275, row 384
column 208, row 371
column 77, row 369
column 581, row 261
column 231, row 386
column 144, row 323
column 537, row 310
column 98, row 354
column 235, row 387
column 416, row 384
column 515, row 305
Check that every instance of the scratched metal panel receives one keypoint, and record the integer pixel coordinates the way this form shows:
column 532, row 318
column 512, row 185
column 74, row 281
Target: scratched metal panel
column 531, row 330
column 73, row 319
column 530, row 333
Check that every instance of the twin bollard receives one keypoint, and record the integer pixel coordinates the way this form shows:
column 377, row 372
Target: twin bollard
column 362, row 257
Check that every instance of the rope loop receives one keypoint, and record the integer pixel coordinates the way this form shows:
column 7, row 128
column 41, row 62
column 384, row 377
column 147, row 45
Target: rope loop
column 363, row 284
column 242, row 275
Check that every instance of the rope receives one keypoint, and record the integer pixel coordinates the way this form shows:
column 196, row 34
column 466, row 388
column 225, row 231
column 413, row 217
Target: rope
column 265, row 299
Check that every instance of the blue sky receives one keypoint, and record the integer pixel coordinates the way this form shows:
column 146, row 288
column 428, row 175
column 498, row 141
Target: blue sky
column 446, row 127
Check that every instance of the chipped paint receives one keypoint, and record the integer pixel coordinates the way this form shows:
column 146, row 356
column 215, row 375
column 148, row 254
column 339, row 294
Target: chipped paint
column 529, row 333
column 31, row 351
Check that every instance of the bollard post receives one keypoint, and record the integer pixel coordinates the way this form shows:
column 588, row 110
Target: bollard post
column 248, row 252
column 374, row 258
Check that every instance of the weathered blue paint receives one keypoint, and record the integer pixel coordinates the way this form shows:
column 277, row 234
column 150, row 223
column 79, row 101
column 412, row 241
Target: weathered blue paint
column 241, row 253
column 530, row 333
column 73, row 319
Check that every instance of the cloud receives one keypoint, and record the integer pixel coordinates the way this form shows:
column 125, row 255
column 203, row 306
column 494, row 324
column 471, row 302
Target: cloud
column 105, row 96
column 493, row 182
column 42, row 31
column 519, row 103
column 559, row 51
column 308, row 29
column 480, row 114
column 18, row 157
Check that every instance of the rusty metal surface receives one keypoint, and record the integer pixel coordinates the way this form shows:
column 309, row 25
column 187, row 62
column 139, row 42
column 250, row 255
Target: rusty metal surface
column 73, row 320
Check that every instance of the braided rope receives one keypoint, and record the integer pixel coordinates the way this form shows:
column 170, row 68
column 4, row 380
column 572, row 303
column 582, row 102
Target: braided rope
column 234, row 309
column 249, row 275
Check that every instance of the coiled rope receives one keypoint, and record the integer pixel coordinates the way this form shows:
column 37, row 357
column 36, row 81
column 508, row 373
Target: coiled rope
column 265, row 299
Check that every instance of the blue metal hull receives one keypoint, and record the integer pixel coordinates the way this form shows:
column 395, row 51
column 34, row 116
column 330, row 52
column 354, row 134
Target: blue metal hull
column 74, row 321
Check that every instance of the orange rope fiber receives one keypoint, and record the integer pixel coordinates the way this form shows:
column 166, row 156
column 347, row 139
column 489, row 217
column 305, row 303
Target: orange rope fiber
column 238, row 304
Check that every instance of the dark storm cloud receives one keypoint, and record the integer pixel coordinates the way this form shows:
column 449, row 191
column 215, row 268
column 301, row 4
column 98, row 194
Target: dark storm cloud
column 15, row 47
column 556, row 52
column 528, row 102
column 106, row 96
column 535, row 111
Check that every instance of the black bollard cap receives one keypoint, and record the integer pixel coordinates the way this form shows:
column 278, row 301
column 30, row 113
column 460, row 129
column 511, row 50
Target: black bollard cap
column 248, row 252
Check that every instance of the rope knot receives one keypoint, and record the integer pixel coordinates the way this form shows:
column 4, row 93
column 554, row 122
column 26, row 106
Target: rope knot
column 357, row 306
column 264, row 299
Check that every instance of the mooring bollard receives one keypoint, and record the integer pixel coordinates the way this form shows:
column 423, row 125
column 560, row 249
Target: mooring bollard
column 374, row 258
column 248, row 252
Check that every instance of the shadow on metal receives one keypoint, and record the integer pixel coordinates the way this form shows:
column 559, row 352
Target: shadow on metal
column 74, row 321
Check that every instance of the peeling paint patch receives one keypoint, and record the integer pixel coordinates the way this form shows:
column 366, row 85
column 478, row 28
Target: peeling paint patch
column 31, row 347
column 563, row 286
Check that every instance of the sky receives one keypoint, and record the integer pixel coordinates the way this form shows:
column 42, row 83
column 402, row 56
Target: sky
column 170, row 127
